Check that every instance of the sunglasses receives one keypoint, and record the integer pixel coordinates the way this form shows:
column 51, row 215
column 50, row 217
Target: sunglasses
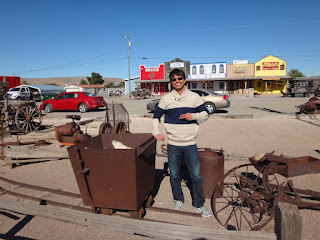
column 175, row 79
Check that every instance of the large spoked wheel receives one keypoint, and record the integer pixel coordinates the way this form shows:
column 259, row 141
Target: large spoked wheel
column 211, row 107
column 83, row 107
column 245, row 199
column 48, row 108
column 28, row 117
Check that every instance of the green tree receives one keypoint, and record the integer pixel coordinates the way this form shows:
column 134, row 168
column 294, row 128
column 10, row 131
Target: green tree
column 95, row 78
column 83, row 82
column 295, row 73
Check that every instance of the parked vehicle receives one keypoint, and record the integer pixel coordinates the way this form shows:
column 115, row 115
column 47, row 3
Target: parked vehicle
column 81, row 101
column 211, row 99
column 19, row 93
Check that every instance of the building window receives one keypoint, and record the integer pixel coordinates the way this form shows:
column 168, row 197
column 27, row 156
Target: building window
column 221, row 85
column 282, row 67
column 259, row 84
column 193, row 85
column 221, row 68
column 257, row 68
column 194, row 70
column 201, row 69
column 214, row 69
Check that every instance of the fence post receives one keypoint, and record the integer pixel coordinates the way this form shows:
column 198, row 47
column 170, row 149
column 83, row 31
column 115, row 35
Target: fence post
column 288, row 223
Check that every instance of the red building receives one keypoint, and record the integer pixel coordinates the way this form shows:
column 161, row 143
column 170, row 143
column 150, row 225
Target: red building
column 12, row 80
column 148, row 77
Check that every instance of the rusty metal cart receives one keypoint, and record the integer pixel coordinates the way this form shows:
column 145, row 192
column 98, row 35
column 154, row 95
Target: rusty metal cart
column 115, row 178
column 248, row 193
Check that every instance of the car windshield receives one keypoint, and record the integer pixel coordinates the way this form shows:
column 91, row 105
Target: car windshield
column 212, row 92
column 89, row 94
column 14, row 89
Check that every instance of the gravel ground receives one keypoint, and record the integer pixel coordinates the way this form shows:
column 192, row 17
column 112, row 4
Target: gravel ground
column 249, row 127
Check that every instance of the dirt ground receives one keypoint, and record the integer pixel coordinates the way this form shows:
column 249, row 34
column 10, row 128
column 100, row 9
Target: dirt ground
column 239, row 138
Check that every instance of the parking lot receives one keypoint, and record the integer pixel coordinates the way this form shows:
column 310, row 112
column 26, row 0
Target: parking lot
column 249, row 127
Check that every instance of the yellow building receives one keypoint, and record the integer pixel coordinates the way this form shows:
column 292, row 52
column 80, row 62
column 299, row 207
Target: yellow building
column 273, row 73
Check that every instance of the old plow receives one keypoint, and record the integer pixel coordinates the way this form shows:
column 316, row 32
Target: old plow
column 246, row 197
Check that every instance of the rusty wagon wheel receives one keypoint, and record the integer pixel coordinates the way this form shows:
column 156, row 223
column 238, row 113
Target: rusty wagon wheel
column 245, row 199
column 28, row 117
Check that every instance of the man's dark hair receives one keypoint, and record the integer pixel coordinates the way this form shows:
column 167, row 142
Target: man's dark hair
column 177, row 72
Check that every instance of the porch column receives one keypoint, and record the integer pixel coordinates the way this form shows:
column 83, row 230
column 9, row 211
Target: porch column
column 245, row 87
column 225, row 86
column 266, row 86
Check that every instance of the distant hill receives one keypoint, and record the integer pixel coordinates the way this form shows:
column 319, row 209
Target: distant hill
column 63, row 81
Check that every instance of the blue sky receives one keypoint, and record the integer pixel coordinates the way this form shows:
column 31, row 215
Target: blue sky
column 64, row 38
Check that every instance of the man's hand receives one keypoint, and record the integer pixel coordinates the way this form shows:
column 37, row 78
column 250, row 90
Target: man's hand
column 160, row 137
column 186, row 116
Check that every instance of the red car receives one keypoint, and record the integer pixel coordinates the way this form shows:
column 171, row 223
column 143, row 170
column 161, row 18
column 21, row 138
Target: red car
column 82, row 101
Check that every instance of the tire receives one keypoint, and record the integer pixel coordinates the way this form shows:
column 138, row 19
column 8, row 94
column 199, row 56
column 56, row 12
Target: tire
column 48, row 108
column 83, row 107
column 19, row 98
column 211, row 107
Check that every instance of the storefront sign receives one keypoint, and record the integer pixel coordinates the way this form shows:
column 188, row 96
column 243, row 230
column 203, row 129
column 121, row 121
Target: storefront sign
column 176, row 64
column 270, row 66
column 152, row 72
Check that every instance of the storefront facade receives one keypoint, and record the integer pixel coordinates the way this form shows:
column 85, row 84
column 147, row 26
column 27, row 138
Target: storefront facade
column 273, row 74
column 266, row 76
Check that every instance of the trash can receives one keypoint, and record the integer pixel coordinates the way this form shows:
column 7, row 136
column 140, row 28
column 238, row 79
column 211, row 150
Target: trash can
column 211, row 169
column 115, row 178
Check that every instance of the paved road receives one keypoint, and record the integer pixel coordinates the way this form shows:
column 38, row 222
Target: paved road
column 241, row 107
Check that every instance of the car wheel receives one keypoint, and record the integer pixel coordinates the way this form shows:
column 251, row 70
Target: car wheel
column 211, row 107
column 19, row 98
column 48, row 108
column 83, row 107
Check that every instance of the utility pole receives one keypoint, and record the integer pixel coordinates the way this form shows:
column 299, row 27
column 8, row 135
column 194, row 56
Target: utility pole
column 129, row 45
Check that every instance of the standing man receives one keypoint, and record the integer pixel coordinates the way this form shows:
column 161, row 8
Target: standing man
column 183, row 110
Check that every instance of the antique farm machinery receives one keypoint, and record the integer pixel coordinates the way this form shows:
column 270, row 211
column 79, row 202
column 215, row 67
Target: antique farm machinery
column 246, row 197
column 18, row 116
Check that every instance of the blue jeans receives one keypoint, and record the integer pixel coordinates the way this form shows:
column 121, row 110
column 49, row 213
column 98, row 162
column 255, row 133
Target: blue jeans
column 191, row 156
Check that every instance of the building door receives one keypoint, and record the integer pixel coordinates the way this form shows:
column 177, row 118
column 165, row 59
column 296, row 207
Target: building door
column 268, row 86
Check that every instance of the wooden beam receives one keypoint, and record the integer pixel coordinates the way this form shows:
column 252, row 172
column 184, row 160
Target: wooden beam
column 288, row 223
column 13, row 151
column 130, row 226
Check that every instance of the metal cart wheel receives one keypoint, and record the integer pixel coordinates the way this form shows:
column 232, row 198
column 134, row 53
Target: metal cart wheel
column 137, row 214
column 106, row 211
column 28, row 117
column 119, row 127
column 105, row 128
column 245, row 198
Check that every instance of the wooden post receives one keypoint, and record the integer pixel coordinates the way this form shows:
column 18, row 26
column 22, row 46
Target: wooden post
column 288, row 223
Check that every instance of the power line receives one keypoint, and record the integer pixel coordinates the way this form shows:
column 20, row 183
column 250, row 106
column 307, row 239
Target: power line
column 232, row 57
column 72, row 65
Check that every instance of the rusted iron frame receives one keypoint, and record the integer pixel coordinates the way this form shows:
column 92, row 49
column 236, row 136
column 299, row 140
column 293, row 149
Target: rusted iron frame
column 284, row 197
column 36, row 143
column 166, row 210
column 74, row 195
column 55, row 191
column 44, row 201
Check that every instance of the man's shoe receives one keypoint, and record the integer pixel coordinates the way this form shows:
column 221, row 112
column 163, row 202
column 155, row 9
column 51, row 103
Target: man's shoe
column 177, row 205
column 203, row 211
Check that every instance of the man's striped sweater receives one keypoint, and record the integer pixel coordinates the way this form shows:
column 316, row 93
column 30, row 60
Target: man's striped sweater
column 180, row 132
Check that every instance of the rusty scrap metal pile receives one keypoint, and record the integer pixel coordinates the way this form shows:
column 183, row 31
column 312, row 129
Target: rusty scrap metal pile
column 310, row 107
